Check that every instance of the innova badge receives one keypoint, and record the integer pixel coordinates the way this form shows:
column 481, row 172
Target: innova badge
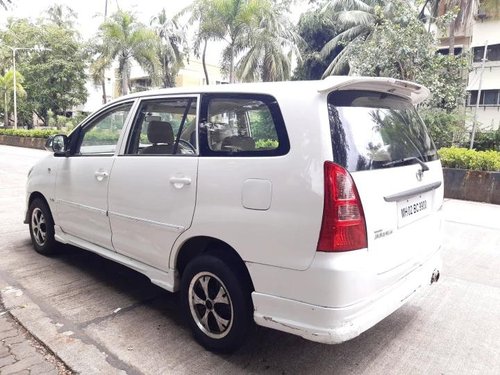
column 420, row 174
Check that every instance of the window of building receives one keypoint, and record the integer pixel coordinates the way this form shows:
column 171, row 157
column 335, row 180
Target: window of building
column 493, row 53
column 446, row 51
column 488, row 97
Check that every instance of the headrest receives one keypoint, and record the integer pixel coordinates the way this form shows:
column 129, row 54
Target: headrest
column 160, row 132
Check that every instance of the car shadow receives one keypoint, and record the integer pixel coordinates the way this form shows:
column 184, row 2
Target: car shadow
column 266, row 350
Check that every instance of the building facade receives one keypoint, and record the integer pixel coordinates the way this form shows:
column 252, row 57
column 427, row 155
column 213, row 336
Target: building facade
column 485, row 32
column 479, row 25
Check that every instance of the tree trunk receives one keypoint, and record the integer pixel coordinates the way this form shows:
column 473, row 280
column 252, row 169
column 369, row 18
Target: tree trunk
column 125, row 73
column 204, row 62
column 103, row 85
column 231, row 65
column 6, row 112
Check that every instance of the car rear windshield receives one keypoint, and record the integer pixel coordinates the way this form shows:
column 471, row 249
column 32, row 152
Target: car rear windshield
column 372, row 130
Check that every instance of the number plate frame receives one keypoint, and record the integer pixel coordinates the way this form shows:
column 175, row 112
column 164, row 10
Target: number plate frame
column 414, row 208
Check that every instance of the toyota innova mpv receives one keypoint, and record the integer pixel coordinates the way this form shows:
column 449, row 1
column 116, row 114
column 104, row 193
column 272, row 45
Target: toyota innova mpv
column 308, row 207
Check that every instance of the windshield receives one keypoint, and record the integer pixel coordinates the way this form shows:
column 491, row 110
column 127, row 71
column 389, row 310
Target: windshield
column 372, row 130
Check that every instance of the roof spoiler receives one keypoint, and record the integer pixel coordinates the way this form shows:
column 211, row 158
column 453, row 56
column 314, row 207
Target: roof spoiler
column 410, row 90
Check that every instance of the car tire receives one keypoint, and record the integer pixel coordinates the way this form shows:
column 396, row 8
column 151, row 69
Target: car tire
column 41, row 226
column 217, row 303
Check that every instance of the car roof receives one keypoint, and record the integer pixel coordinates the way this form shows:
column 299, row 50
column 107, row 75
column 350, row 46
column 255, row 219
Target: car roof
column 412, row 91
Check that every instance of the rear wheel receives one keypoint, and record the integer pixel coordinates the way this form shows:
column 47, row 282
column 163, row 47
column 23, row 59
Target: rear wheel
column 42, row 227
column 217, row 303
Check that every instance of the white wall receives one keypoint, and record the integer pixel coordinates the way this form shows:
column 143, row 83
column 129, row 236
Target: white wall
column 488, row 116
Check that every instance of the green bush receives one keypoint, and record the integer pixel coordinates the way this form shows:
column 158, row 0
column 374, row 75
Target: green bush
column 34, row 133
column 269, row 144
column 463, row 158
column 447, row 128
column 487, row 140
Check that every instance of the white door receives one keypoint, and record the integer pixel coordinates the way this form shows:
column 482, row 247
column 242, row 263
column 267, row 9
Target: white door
column 83, row 177
column 152, row 189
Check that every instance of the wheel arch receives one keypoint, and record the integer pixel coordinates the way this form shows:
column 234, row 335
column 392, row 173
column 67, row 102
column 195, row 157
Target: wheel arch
column 199, row 245
column 34, row 195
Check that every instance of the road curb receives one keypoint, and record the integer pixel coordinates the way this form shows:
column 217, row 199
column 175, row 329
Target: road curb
column 73, row 351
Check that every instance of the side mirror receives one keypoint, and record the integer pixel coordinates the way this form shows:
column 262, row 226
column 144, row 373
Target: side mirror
column 57, row 144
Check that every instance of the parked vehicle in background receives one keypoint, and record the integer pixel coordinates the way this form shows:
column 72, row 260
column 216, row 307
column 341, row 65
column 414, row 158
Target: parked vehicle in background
column 308, row 207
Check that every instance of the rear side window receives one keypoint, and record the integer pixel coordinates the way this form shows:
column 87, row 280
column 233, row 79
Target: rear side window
column 372, row 130
column 243, row 125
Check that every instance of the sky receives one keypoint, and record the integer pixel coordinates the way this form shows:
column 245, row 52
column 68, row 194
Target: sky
column 91, row 12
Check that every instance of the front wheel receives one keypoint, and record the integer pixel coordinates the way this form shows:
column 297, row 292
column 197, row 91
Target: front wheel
column 42, row 227
column 217, row 303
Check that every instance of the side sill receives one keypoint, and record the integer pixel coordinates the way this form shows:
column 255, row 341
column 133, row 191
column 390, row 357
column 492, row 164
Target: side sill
column 167, row 280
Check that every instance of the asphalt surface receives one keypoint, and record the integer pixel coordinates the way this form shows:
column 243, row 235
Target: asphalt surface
column 99, row 317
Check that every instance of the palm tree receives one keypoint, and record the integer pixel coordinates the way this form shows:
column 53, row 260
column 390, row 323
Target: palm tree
column 357, row 19
column 201, row 11
column 172, row 46
column 5, row 3
column 98, row 68
column 229, row 21
column 123, row 38
column 62, row 15
column 272, row 44
column 7, row 90
column 238, row 19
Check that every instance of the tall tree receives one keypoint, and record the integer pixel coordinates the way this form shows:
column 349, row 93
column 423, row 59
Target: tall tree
column 5, row 3
column 61, row 15
column 124, row 39
column 356, row 20
column 316, row 30
column 54, row 78
column 209, row 29
column 7, row 91
column 407, row 51
column 271, row 46
column 228, row 21
column 238, row 18
column 98, row 67
column 172, row 46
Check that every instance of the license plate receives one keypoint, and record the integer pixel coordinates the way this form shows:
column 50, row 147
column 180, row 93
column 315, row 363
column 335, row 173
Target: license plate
column 414, row 208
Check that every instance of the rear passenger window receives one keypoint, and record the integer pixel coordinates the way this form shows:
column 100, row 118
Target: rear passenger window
column 245, row 126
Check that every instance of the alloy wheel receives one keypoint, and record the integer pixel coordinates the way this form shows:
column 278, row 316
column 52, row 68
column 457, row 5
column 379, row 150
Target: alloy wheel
column 210, row 305
column 39, row 226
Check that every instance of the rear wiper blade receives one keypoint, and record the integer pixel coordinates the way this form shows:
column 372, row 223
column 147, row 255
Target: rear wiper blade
column 406, row 161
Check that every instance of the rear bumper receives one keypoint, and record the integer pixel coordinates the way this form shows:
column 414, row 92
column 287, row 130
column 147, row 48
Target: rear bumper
column 335, row 325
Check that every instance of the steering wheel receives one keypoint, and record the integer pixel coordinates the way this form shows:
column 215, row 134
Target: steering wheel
column 187, row 145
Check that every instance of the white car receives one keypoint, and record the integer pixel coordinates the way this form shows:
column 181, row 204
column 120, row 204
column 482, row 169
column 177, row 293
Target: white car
column 308, row 207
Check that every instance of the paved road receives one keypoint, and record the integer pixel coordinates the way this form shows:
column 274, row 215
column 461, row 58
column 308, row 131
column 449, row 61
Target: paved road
column 101, row 317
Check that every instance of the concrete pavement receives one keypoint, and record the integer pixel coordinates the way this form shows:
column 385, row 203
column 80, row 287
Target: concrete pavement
column 99, row 317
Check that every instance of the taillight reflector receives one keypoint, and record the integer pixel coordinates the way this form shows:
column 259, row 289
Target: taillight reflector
column 343, row 227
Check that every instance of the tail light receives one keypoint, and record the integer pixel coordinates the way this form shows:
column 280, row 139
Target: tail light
column 343, row 227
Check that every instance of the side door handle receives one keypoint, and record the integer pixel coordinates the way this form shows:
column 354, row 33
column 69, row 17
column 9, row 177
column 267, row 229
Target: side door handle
column 100, row 175
column 179, row 182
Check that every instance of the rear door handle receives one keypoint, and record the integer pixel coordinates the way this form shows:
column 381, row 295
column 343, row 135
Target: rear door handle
column 101, row 175
column 179, row 182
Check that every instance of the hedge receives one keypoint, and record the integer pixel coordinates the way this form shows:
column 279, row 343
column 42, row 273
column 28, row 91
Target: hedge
column 33, row 133
column 463, row 158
